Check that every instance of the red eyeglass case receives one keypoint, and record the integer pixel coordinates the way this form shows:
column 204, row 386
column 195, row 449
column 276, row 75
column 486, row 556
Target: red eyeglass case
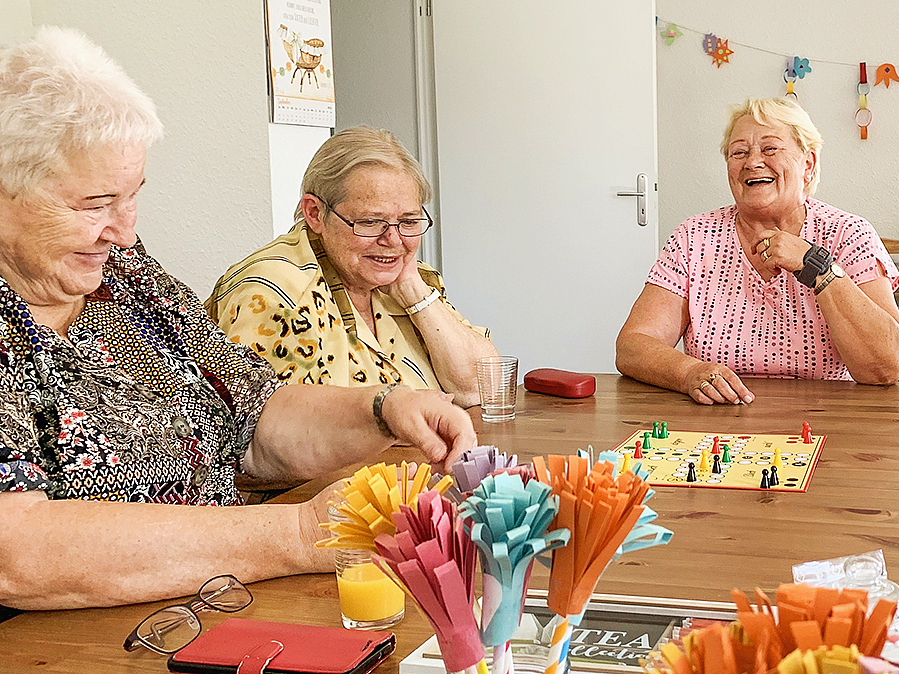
column 307, row 649
column 560, row 383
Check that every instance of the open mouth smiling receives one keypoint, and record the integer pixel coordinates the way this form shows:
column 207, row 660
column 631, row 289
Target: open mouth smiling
column 758, row 181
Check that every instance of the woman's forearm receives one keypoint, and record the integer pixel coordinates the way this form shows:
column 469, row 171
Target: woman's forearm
column 865, row 334
column 648, row 359
column 454, row 349
column 74, row 554
column 307, row 431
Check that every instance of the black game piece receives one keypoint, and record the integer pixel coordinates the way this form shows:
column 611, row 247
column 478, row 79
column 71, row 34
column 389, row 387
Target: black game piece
column 773, row 480
column 765, row 483
column 716, row 463
column 691, row 472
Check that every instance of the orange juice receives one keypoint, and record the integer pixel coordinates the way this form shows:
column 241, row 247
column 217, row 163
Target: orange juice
column 367, row 595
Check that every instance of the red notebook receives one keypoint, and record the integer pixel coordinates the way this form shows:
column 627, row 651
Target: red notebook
column 305, row 649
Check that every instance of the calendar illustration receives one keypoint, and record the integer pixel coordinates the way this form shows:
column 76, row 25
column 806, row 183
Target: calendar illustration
column 301, row 68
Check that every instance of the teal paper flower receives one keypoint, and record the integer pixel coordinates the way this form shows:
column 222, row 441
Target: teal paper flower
column 801, row 67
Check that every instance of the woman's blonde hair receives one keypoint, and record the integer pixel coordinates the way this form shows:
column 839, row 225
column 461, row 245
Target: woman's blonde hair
column 770, row 111
column 354, row 148
column 61, row 94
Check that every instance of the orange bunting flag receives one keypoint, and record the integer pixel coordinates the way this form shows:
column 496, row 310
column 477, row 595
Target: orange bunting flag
column 885, row 74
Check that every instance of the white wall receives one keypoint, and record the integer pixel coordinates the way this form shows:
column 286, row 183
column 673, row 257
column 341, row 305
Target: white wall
column 16, row 23
column 857, row 176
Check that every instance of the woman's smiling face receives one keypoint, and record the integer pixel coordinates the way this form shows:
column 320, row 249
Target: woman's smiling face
column 767, row 170
column 366, row 263
column 54, row 243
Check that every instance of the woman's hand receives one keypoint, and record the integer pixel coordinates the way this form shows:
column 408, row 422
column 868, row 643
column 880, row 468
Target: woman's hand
column 428, row 420
column 710, row 383
column 409, row 287
column 780, row 250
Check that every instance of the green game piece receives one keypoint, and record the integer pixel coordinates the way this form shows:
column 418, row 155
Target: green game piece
column 646, row 443
column 664, row 432
column 655, row 429
column 725, row 456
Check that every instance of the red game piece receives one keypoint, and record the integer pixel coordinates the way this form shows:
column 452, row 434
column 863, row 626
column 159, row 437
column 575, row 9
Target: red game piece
column 638, row 450
column 715, row 448
column 806, row 433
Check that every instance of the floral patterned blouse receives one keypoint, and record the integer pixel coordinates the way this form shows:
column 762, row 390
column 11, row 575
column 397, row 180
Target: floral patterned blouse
column 147, row 401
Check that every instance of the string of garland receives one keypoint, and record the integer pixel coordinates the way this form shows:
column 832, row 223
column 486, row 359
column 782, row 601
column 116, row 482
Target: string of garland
column 796, row 67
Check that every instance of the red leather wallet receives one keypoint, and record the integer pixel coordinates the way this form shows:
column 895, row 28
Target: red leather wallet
column 560, row 383
column 306, row 649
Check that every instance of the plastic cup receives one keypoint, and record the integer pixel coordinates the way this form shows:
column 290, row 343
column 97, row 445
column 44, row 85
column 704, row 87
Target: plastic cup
column 498, row 385
column 369, row 600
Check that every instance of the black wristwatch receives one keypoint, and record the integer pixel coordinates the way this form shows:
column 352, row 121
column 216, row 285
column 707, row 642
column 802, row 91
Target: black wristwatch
column 817, row 260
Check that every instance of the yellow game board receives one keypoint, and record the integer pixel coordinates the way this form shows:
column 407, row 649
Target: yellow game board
column 667, row 459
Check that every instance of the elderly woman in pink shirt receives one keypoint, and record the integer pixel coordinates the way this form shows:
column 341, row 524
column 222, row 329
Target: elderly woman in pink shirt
column 776, row 285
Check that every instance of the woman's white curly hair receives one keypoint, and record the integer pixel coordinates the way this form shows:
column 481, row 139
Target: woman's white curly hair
column 60, row 94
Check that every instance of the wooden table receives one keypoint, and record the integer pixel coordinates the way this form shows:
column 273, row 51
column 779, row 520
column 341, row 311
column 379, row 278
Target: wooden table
column 722, row 538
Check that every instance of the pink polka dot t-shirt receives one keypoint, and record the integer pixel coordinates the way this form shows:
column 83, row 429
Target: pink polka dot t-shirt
column 754, row 327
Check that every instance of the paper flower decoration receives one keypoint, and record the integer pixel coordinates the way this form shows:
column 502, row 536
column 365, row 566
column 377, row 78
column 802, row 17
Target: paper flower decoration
column 371, row 497
column 801, row 67
column 721, row 53
column 886, row 73
column 433, row 560
column 606, row 516
column 670, row 33
column 478, row 463
column 709, row 43
column 508, row 521
column 817, row 630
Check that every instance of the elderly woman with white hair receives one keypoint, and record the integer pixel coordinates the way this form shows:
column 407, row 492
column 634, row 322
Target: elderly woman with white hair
column 776, row 285
column 123, row 408
column 342, row 298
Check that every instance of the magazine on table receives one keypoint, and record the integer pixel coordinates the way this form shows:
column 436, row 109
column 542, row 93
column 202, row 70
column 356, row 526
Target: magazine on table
column 617, row 631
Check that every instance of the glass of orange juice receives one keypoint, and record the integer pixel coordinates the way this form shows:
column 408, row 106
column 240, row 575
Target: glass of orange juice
column 368, row 599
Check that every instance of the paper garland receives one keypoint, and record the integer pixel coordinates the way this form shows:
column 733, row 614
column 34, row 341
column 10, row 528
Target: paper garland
column 796, row 68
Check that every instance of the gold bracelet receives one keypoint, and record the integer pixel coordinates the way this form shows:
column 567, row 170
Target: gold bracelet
column 378, row 403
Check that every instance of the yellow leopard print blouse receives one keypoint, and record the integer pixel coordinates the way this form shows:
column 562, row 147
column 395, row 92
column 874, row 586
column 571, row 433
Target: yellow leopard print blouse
column 286, row 302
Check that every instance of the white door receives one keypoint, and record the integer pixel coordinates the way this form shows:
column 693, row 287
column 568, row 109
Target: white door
column 545, row 111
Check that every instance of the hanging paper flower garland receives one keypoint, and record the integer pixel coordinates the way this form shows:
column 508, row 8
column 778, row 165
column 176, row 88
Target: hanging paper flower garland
column 670, row 33
column 796, row 68
column 885, row 74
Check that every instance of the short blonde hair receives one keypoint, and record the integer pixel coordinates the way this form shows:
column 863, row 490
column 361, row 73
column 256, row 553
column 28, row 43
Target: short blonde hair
column 770, row 111
column 353, row 148
column 60, row 93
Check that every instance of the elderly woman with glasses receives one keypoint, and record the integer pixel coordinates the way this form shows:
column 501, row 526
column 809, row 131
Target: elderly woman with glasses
column 124, row 411
column 341, row 298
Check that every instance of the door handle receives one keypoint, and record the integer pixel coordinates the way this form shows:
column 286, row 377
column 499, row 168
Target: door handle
column 641, row 194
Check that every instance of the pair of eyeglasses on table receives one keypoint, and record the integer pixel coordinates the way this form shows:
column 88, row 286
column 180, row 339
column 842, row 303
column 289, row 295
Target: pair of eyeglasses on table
column 170, row 629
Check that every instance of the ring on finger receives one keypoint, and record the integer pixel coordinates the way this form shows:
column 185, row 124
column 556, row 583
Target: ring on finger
column 765, row 254
column 704, row 384
column 712, row 377
column 766, row 242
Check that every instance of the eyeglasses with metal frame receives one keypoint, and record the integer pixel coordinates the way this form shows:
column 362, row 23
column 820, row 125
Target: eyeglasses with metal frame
column 170, row 629
column 375, row 227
